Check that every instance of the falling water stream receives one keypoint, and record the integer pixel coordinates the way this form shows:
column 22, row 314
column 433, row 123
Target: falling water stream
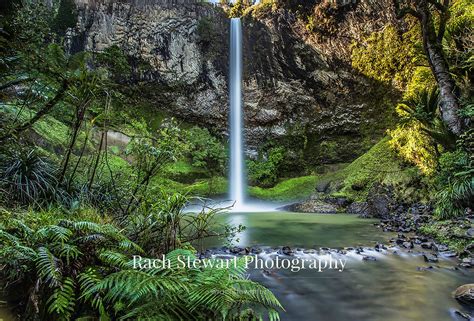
column 237, row 170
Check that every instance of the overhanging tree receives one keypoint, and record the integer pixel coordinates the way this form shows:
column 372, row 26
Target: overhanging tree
column 433, row 16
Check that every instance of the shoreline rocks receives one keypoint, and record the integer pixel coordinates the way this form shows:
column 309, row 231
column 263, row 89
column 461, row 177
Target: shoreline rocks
column 312, row 206
column 465, row 294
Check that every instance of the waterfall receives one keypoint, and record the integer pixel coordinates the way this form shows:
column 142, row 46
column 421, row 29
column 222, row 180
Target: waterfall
column 237, row 171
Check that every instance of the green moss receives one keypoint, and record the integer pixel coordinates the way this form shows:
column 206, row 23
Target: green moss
column 378, row 165
column 52, row 130
column 183, row 172
column 448, row 233
column 208, row 187
column 388, row 56
column 290, row 189
column 201, row 187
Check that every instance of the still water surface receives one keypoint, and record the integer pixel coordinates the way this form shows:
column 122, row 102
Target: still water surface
column 389, row 289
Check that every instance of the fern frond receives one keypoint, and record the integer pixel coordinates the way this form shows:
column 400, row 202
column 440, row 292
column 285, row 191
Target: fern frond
column 47, row 266
column 69, row 252
column 63, row 300
column 88, row 280
column 114, row 259
column 53, row 233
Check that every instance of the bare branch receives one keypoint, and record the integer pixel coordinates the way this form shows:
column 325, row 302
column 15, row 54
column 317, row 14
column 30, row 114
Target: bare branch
column 42, row 112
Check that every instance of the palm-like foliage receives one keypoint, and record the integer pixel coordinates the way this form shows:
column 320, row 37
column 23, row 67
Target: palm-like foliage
column 424, row 109
column 456, row 196
column 27, row 177
column 49, row 260
column 457, row 181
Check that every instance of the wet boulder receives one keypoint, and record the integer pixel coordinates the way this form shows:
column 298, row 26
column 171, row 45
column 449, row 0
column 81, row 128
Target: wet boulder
column 465, row 294
column 359, row 208
column 286, row 250
column 430, row 258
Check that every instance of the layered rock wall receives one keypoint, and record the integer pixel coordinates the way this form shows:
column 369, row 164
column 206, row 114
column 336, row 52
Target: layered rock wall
column 299, row 88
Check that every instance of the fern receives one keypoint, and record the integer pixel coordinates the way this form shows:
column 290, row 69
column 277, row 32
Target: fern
column 113, row 258
column 47, row 266
column 87, row 267
column 63, row 300
column 54, row 233
column 88, row 280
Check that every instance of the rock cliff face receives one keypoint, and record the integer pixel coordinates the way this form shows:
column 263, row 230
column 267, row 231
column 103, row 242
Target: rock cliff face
column 177, row 49
column 299, row 88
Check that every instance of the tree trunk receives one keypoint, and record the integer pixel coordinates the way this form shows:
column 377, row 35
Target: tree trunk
column 96, row 164
column 449, row 105
column 80, row 112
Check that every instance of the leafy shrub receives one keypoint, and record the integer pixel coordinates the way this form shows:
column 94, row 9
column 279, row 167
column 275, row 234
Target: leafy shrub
column 206, row 151
column 150, row 154
column 458, row 42
column 161, row 223
column 115, row 60
column 456, row 179
column 264, row 172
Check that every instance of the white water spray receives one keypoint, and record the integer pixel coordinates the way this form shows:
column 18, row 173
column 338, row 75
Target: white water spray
column 237, row 170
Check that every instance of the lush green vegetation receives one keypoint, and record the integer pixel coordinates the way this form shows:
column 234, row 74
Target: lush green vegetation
column 86, row 184
column 88, row 178
column 57, row 268
column 286, row 190
column 449, row 233
column 265, row 171
column 422, row 158
column 388, row 56
column 380, row 165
